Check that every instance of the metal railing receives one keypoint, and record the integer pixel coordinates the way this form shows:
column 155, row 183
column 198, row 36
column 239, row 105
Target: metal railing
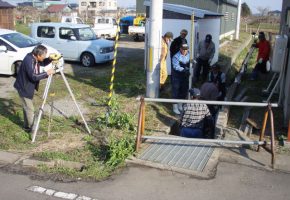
column 261, row 143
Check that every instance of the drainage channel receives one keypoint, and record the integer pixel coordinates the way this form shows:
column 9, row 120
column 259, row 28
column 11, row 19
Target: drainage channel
column 182, row 154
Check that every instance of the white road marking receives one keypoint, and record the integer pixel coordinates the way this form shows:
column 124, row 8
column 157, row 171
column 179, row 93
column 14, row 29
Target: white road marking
column 63, row 195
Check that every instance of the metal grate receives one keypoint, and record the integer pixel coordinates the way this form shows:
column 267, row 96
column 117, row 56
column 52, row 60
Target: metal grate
column 181, row 154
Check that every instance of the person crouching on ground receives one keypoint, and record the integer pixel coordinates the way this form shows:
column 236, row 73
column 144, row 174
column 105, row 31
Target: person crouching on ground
column 193, row 117
column 180, row 76
column 219, row 78
column 263, row 55
column 164, row 52
column 27, row 81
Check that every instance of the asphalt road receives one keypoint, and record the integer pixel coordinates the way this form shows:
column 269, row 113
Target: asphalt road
column 231, row 182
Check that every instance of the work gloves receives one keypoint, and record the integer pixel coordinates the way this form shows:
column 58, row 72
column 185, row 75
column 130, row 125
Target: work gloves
column 186, row 70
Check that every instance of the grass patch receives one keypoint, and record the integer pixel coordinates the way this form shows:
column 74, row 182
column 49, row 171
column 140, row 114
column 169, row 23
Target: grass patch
column 23, row 28
column 112, row 140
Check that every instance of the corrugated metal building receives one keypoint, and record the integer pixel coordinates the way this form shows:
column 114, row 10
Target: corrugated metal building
column 285, row 85
column 228, row 8
column 6, row 15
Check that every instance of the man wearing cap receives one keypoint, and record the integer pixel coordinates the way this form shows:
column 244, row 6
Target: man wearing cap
column 175, row 45
column 193, row 117
column 164, row 51
column 263, row 55
column 217, row 77
column 205, row 54
column 180, row 76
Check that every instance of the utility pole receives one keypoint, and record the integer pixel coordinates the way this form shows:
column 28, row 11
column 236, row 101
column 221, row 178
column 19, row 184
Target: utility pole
column 238, row 20
column 155, row 34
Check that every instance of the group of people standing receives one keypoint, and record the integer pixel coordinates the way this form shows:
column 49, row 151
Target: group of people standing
column 192, row 114
column 195, row 118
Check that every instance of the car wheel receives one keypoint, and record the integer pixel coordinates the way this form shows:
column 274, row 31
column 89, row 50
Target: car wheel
column 87, row 60
column 16, row 67
column 136, row 38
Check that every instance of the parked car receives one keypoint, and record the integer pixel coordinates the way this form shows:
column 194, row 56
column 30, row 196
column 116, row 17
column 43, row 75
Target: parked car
column 76, row 42
column 13, row 48
column 105, row 27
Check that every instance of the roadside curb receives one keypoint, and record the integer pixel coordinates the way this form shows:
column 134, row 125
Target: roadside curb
column 9, row 158
column 27, row 161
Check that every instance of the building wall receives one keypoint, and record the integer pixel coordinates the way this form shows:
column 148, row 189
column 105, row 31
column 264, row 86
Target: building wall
column 96, row 6
column 229, row 20
column 7, row 18
column 285, row 86
column 228, row 23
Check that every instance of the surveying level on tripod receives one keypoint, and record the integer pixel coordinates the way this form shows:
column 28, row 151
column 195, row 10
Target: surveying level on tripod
column 57, row 62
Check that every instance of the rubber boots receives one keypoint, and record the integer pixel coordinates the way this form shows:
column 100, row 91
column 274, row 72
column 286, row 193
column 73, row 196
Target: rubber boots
column 180, row 108
column 175, row 109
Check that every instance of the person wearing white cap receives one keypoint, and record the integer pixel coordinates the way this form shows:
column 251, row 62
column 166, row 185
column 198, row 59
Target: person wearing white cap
column 180, row 76
column 168, row 36
column 193, row 117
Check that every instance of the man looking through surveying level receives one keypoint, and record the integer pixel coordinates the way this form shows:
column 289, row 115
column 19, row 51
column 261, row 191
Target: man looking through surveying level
column 27, row 81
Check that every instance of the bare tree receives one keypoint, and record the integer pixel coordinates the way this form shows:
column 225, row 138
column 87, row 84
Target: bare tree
column 263, row 11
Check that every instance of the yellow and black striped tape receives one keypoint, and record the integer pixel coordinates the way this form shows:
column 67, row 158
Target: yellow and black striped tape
column 114, row 65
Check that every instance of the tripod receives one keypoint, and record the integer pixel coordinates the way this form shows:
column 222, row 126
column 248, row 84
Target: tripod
column 44, row 97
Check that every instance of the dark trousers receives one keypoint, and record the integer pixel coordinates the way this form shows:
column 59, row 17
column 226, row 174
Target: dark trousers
column 205, row 69
column 179, row 86
column 260, row 67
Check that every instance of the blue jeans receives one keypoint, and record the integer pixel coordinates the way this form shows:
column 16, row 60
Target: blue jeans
column 191, row 132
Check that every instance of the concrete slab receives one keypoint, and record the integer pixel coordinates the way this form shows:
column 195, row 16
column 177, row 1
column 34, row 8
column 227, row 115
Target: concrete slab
column 35, row 163
column 7, row 157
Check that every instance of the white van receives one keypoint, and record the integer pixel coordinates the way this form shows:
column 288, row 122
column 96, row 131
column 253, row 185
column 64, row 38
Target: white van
column 76, row 42
column 14, row 46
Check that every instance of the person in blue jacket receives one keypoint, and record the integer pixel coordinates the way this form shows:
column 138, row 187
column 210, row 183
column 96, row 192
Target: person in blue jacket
column 180, row 76
column 27, row 81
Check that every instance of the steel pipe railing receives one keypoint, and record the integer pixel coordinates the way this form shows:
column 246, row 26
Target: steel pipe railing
column 222, row 103
column 218, row 141
column 260, row 143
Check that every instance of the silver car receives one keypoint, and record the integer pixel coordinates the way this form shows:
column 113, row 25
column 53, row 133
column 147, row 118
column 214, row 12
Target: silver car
column 76, row 42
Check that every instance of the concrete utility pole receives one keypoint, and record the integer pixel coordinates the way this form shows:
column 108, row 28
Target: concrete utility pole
column 155, row 34
column 238, row 20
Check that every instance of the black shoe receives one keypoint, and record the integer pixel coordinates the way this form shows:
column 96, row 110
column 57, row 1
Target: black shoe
column 27, row 129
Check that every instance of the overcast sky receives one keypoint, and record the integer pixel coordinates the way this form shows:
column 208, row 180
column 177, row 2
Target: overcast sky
column 253, row 4
column 271, row 4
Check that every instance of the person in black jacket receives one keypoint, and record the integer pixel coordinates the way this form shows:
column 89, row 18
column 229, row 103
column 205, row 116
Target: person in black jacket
column 27, row 81
column 177, row 42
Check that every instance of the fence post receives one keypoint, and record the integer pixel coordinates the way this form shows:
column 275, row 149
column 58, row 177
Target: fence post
column 288, row 137
column 262, row 134
column 140, row 125
column 272, row 136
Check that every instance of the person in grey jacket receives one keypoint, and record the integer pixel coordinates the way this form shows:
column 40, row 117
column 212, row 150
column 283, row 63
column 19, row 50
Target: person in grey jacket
column 205, row 54
column 27, row 81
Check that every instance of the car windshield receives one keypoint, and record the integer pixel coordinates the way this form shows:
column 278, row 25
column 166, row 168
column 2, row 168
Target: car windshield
column 20, row 40
column 86, row 34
